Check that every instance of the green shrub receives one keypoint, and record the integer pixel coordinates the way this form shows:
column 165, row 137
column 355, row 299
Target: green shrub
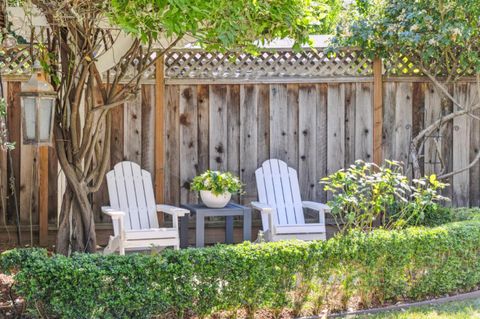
column 356, row 268
column 366, row 196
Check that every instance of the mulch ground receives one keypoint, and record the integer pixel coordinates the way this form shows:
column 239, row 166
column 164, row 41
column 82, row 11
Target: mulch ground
column 11, row 306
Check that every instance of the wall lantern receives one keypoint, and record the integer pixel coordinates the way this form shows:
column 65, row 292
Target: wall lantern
column 38, row 101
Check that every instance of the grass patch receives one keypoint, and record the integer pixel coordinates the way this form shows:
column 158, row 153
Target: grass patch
column 450, row 310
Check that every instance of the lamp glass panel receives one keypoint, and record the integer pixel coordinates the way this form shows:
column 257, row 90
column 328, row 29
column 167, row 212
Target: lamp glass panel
column 29, row 112
column 45, row 118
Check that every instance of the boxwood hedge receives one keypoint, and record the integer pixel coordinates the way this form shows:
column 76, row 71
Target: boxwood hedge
column 357, row 267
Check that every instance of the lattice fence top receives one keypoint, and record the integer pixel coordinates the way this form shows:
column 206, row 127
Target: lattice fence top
column 196, row 64
column 15, row 61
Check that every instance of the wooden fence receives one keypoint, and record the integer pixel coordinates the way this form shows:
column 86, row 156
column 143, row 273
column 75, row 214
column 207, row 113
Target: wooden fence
column 317, row 125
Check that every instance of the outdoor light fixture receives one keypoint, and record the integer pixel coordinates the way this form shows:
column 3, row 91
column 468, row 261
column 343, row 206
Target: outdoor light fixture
column 38, row 101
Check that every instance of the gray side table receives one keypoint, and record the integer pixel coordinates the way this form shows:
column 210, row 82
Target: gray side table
column 201, row 211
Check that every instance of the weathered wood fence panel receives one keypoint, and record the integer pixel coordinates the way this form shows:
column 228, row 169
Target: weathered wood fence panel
column 315, row 127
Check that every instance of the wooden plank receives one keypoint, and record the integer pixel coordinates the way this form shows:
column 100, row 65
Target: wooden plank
column 278, row 121
column 53, row 190
column 263, row 124
column 188, row 141
column 292, row 127
column 132, row 132
column 307, row 140
column 172, row 146
column 321, row 136
column 3, row 173
column 43, row 196
column 203, row 107
column 148, row 127
column 218, row 127
column 447, row 146
column 14, row 120
column 403, row 122
column 461, row 153
column 117, row 138
column 364, row 137
column 433, row 112
column 335, row 127
column 377, row 111
column 389, row 102
column 418, row 113
column 249, row 104
column 233, row 129
column 284, row 123
column 350, row 100
column 160, row 116
column 474, row 150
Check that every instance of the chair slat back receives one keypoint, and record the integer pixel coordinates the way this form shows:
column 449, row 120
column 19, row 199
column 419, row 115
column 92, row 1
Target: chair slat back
column 130, row 190
column 277, row 186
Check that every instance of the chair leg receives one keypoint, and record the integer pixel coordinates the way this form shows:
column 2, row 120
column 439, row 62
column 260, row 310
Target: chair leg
column 121, row 248
column 113, row 245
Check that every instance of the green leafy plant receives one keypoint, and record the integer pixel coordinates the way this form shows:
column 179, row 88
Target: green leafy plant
column 217, row 182
column 366, row 195
column 355, row 269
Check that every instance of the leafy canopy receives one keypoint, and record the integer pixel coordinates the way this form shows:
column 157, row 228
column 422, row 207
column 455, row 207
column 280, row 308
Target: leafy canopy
column 443, row 36
column 226, row 24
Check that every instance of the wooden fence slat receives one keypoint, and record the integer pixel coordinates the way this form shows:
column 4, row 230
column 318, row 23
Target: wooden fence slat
column 403, row 122
column 307, row 142
column 263, row 123
column 133, row 130
column 172, row 146
column 14, row 120
column 249, row 98
column 418, row 114
column 278, row 121
column 364, row 122
column 188, row 141
column 389, row 102
column 292, row 126
column 433, row 111
column 461, row 151
column 203, row 111
column 233, row 129
column 321, row 135
column 350, row 110
column 148, row 128
column 336, row 128
column 218, row 127
column 474, row 150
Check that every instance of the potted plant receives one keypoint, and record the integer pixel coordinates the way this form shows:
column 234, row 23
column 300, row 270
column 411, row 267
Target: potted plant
column 216, row 188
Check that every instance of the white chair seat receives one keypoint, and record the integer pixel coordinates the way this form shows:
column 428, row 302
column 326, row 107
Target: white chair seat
column 152, row 233
column 300, row 229
column 281, row 205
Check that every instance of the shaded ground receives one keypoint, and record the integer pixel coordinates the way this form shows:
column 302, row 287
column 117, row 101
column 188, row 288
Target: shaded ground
column 450, row 310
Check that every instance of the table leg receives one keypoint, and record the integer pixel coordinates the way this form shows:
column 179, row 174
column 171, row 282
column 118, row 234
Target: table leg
column 200, row 230
column 184, row 231
column 247, row 224
column 229, row 229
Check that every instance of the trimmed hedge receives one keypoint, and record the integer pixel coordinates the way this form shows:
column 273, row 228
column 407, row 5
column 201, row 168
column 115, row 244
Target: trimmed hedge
column 358, row 268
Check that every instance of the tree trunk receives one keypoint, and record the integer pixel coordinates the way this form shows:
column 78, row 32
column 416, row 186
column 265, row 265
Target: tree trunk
column 76, row 232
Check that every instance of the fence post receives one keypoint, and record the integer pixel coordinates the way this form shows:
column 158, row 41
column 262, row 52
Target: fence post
column 159, row 132
column 377, row 110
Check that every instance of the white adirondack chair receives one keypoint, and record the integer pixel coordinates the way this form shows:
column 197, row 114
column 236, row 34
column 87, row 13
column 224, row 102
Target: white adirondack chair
column 281, row 206
column 134, row 211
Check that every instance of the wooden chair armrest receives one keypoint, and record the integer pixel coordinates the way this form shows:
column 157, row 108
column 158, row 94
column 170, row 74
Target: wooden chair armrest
column 319, row 207
column 114, row 213
column 173, row 210
column 264, row 208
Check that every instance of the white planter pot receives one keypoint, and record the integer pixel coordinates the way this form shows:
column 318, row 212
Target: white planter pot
column 215, row 201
